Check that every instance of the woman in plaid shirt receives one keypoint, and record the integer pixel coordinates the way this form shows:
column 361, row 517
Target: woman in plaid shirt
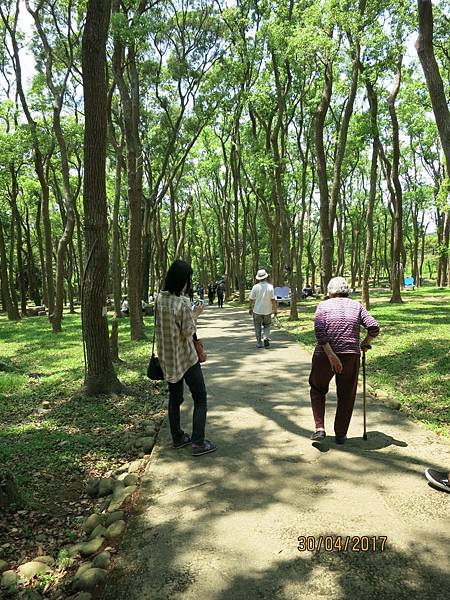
column 175, row 328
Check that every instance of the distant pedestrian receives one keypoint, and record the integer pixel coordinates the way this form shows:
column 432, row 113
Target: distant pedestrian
column 175, row 328
column 125, row 309
column 337, row 323
column 211, row 292
column 262, row 305
column 201, row 292
column 147, row 310
column 307, row 291
column 220, row 294
column 191, row 294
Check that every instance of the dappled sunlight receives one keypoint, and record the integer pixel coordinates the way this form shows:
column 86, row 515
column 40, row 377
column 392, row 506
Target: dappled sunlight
column 226, row 526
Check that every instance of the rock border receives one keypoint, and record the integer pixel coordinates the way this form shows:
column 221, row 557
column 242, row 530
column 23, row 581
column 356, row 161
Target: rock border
column 89, row 558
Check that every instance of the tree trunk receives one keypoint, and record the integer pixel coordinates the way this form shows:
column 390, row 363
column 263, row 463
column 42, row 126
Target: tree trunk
column 48, row 244
column 11, row 308
column 41, row 173
column 9, row 494
column 100, row 377
column 58, row 90
column 19, row 245
column 326, row 235
column 130, row 103
column 32, row 283
column 443, row 255
column 12, row 279
column 41, row 252
column 397, row 271
column 79, row 247
column 425, row 51
column 368, row 264
column 116, row 262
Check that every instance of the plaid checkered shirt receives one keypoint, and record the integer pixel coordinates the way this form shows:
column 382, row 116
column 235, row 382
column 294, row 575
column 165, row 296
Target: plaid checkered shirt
column 175, row 327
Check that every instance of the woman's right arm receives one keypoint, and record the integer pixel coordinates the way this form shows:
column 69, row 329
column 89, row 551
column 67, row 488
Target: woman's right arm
column 187, row 326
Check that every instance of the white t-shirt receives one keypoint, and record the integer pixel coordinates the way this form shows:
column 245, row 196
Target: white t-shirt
column 263, row 295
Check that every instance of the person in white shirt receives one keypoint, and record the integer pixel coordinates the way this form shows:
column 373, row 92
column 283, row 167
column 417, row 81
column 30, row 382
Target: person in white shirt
column 125, row 309
column 262, row 305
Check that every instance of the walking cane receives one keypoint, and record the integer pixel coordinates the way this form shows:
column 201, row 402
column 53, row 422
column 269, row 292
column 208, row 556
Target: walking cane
column 364, row 393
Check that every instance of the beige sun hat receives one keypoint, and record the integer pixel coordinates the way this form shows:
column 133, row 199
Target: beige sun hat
column 261, row 274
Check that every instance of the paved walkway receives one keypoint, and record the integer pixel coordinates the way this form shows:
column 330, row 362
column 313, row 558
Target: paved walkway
column 225, row 526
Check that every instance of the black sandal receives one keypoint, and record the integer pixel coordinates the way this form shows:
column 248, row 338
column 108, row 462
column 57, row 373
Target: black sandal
column 318, row 436
column 185, row 440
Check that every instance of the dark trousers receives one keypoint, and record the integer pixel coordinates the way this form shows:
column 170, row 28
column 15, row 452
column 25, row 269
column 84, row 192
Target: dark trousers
column 196, row 384
column 220, row 301
column 346, row 385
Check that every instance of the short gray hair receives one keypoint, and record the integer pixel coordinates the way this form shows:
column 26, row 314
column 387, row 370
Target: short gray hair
column 338, row 285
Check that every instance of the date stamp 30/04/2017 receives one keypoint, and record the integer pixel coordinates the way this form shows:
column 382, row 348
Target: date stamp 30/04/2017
column 338, row 543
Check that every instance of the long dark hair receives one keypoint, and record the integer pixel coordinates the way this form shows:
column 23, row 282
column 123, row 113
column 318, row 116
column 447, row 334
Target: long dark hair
column 178, row 278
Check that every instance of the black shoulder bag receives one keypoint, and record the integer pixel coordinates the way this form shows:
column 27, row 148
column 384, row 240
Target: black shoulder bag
column 154, row 370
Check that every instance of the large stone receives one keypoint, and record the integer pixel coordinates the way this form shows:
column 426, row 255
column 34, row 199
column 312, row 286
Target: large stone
column 47, row 560
column 9, row 579
column 146, row 443
column 135, row 466
column 98, row 531
column 119, row 497
column 122, row 476
column 92, row 487
column 113, row 517
column 90, row 580
column 116, row 529
column 91, row 522
column 105, row 487
column 73, row 550
column 91, row 547
column 102, row 560
column 150, row 431
column 82, row 568
column 123, row 469
column 31, row 569
column 130, row 479
column 3, row 566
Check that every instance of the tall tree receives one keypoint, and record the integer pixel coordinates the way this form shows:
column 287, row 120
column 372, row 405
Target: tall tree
column 439, row 102
column 425, row 50
column 100, row 377
column 57, row 85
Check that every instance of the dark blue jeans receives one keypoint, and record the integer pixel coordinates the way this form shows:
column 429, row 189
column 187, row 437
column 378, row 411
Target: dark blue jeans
column 196, row 384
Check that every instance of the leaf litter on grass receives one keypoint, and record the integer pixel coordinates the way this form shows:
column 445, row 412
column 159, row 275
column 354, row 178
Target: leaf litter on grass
column 52, row 454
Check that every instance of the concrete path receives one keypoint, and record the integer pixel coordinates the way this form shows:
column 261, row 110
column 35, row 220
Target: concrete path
column 225, row 526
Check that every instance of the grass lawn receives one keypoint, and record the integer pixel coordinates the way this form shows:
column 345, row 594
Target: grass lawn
column 53, row 453
column 411, row 358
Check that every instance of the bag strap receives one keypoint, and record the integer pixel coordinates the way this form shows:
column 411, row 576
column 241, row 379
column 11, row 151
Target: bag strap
column 154, row 332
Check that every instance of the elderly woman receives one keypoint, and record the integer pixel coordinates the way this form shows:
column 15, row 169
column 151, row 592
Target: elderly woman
column 337, row 323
